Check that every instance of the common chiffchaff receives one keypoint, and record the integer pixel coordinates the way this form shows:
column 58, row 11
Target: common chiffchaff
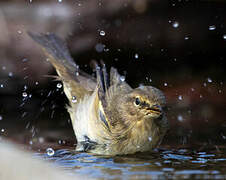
column 108, row 116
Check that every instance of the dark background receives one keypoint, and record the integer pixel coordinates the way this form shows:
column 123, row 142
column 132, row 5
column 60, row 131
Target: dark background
column 177, row 46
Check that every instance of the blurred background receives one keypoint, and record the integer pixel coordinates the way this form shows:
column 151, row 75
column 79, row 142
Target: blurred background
column 177, row 46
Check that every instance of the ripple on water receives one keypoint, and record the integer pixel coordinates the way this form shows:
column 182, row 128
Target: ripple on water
column 175, row 164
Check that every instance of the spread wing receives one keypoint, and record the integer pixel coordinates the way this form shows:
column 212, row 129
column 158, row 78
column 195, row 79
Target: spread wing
column 76, row 82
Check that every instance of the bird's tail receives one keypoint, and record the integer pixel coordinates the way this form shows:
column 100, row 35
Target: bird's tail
column 76, row 86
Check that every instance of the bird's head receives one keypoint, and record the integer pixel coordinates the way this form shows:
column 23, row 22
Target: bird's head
column 142, row 104
column 137, row 119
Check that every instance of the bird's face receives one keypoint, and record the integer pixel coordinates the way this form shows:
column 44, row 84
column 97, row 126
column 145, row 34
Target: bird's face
column 141, row 106
column 144, row 103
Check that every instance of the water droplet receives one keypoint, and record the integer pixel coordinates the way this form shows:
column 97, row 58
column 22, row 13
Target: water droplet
column 224, row 36
column 25, row 77
column 24, row 60
column 209, row 80
column 50, row 92
column 122, row 78
column 59, row 85
column 223, row 136
column 180, row 97
column 165, row 84
column 1, row 117
column 180, row 118
column 24, row 114
column 10, row 74
column 99, row 47
column 74, row 99
column 106, row 49
column 25, row 87
column 150, row 138
column 175, row 24
column 24, row 94
column 102, row 33
column 41, row 139
column 60, row 142
column 212, row 27
column 136, row 56
column 50, row 151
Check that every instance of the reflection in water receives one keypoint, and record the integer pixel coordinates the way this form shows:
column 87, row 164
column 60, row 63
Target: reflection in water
column 162, row 163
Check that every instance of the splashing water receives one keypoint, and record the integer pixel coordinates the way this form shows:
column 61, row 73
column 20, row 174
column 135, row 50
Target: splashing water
column 50, row 151
column 212, row 27
column 175, row 24
column 136, row 56
column 59, row 85
column 102, row 33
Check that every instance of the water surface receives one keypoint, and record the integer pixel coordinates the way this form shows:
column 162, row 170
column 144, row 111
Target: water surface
column 162, row 163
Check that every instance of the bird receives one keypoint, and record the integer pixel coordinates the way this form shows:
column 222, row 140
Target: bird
column 108, row 116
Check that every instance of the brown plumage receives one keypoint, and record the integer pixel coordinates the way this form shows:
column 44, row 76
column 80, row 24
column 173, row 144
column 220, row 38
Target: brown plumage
column 108, row 116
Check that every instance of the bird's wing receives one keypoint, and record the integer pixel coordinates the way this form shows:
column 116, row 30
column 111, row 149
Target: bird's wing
column 117, row 86
column 77, row 84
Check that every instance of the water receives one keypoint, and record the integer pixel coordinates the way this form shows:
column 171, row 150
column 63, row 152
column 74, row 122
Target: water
column 102, row 33
column 160, row 164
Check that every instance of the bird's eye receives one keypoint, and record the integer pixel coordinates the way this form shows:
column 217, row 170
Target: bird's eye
column 137, row 101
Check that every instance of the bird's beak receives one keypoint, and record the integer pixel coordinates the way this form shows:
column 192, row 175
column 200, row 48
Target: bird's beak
column 156, row 109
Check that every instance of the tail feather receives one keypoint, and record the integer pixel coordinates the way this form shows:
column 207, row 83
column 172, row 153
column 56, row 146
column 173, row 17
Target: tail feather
column 75, row 85
column 56, row 48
